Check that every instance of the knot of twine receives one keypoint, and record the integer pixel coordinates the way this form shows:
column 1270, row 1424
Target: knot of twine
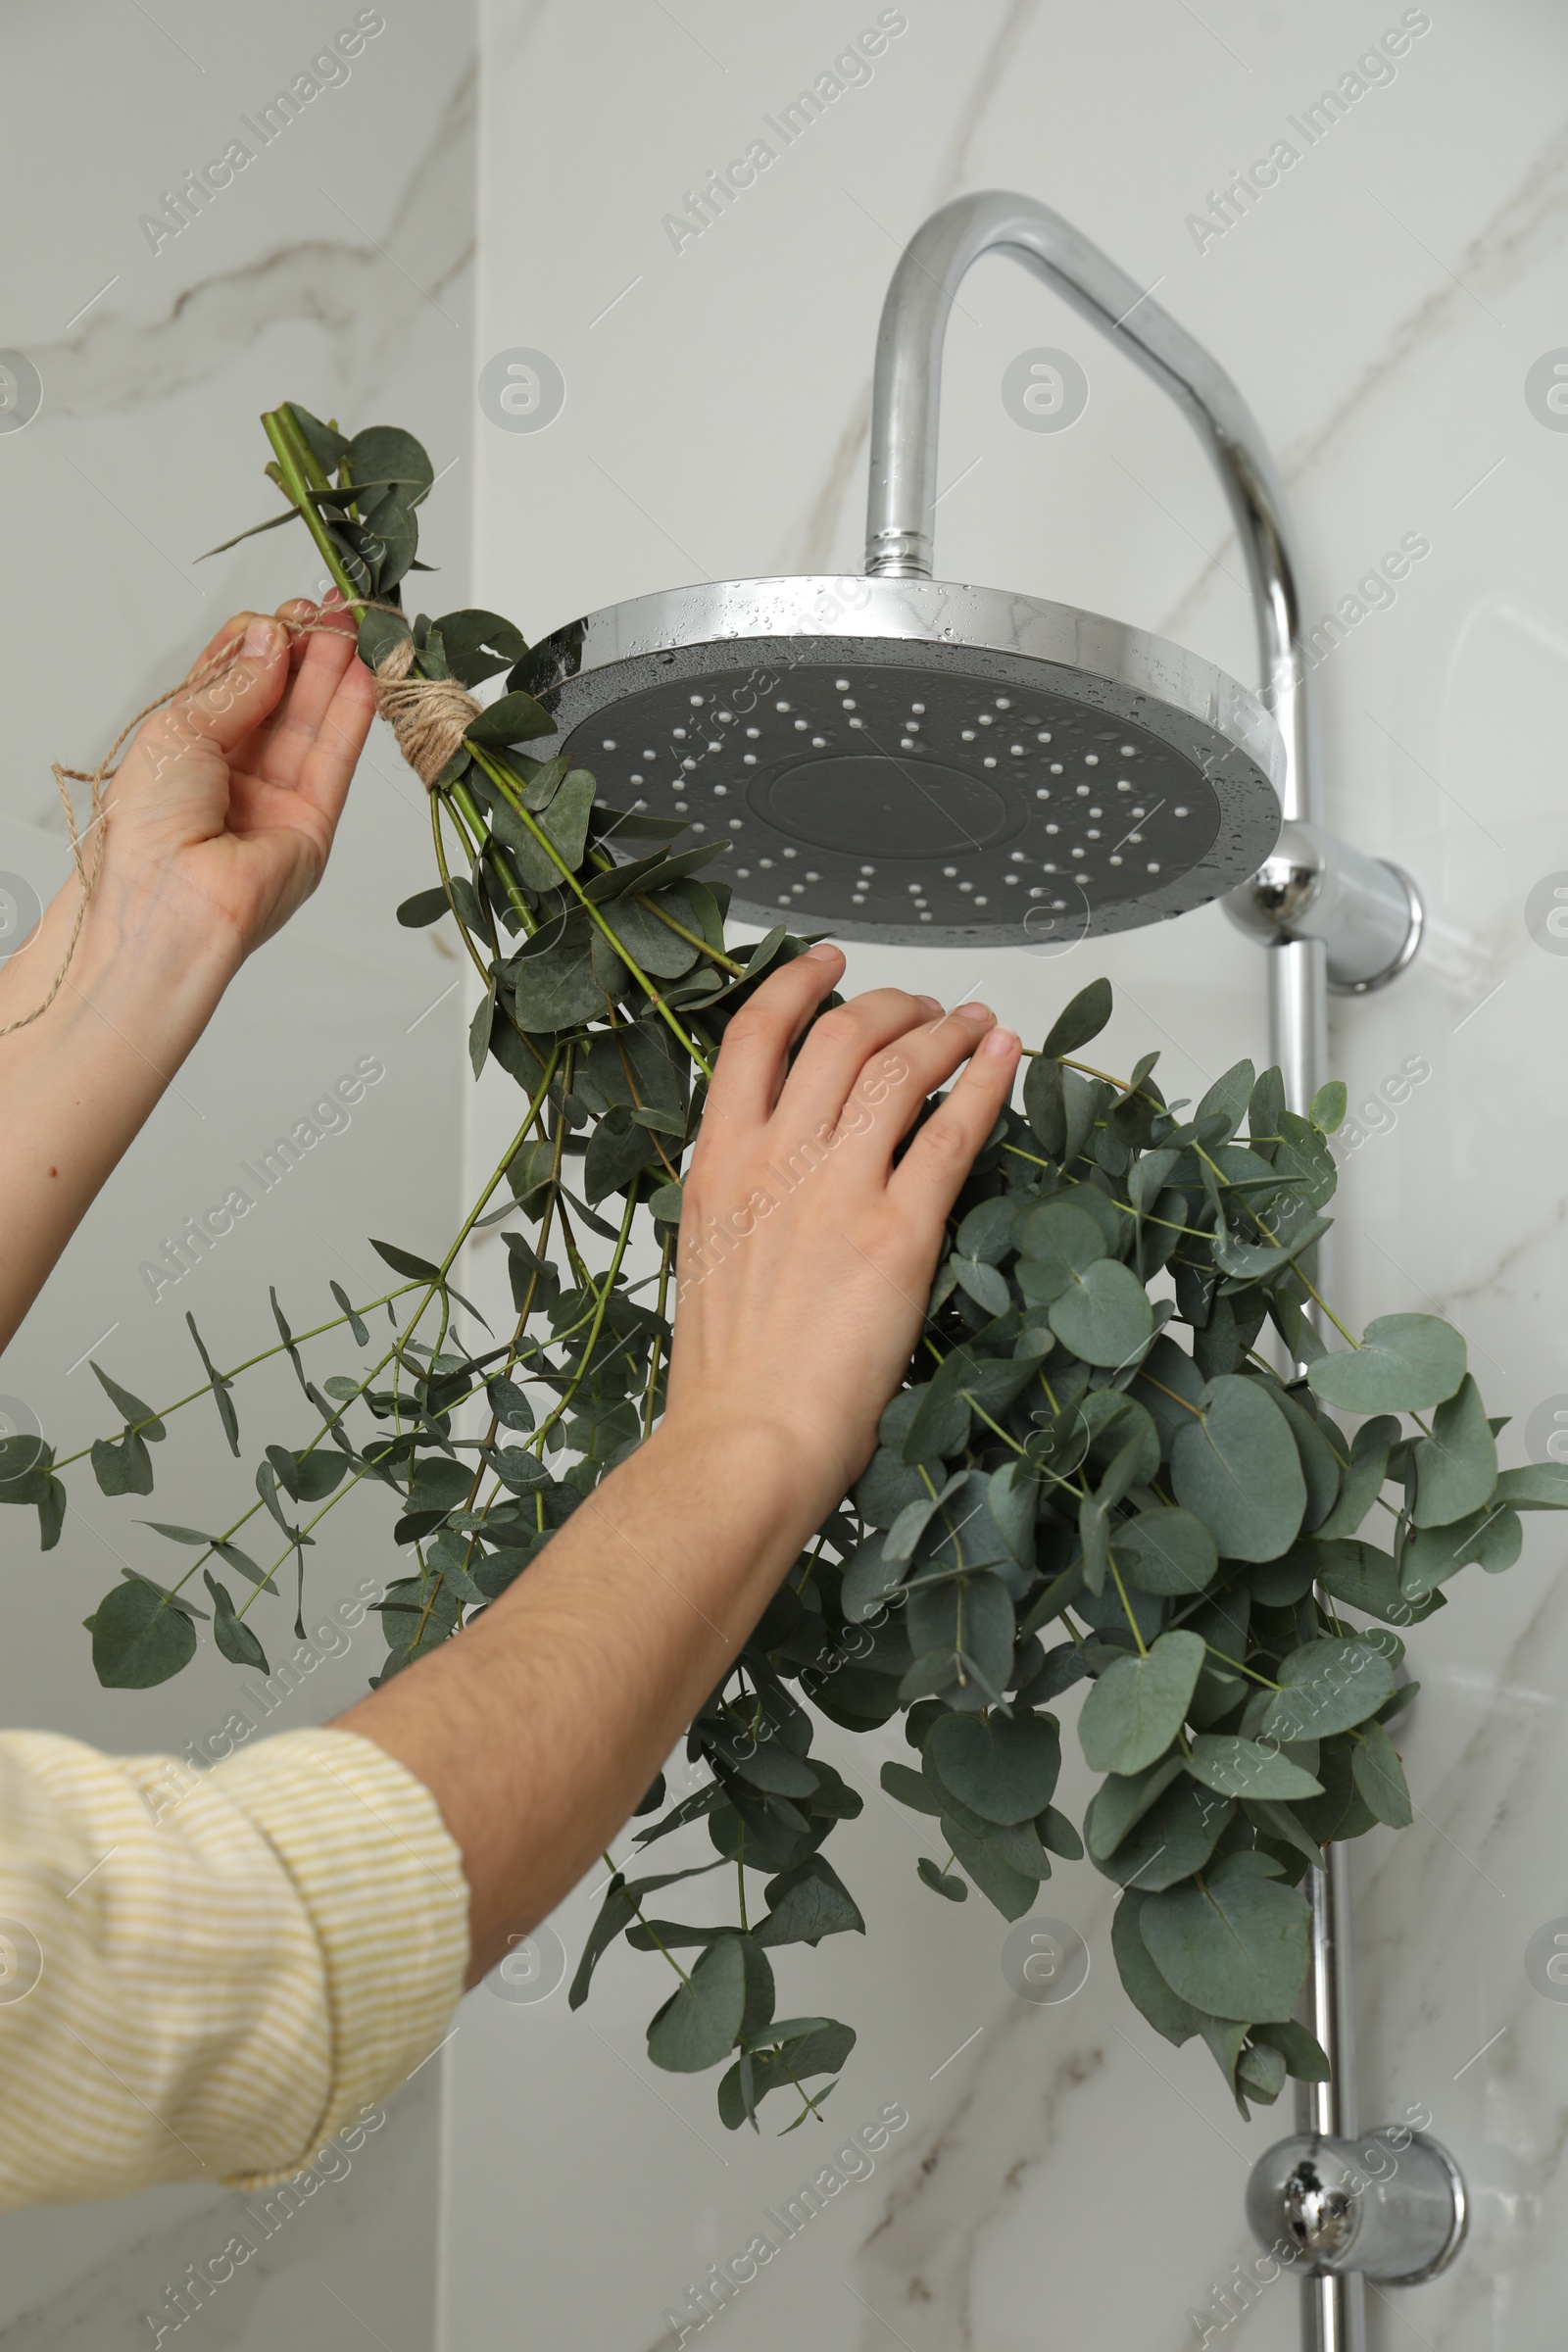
column 430, row 717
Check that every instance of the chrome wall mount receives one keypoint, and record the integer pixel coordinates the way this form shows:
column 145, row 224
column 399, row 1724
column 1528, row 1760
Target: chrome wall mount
column 1389, row 2205
column 1366, row 911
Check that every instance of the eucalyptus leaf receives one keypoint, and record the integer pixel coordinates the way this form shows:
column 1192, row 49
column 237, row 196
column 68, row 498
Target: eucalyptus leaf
column 1235, row 1465
column 1404, row 1364
column 1002, row 1769
column 1362, row 1482
column 137, row 1640
column 1166, row 1549
column 1380, row 1777
column 1137, row 1705
column 1456, row 1467
column 1237, row 1767
column 1493, row 1537
column 1177, row 2020
column 1327, row 1686
column 1538, row 1486
column 137, row 1415
column 1174, row 1839
column 1082, row 1018
column 1104, row 1314
column 234, row 1639
column 1235, row 1947
column 1058, row 1242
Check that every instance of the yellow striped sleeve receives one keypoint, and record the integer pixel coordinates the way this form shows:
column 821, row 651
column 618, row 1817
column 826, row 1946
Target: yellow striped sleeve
column 206, row 1974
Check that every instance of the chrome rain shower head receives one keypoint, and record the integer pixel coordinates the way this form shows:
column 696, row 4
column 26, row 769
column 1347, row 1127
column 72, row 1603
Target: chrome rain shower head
column 908, row 760
column 893, row 758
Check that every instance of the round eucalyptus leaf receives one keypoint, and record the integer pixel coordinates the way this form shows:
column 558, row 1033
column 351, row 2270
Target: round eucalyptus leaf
column 697, row 2025
column 985, row 1233
column 1137, row 1707
column 138, row 1639
column 1404, row 1364
column 869, row 1580
column 1166, row 1550
column 1327, row 1686
column 1119, row 1802
column 1056, row 1241
column 1380, row 1777
column 1456, row 1467
column 1235, row 1464
column 1142, row 1981
column 982, row 1282
column 1104, row 1314
column 1005, row 1770
column 1175, row 1838
column 1237, row 1767
column 1538, row 1486
column 1235, row 1947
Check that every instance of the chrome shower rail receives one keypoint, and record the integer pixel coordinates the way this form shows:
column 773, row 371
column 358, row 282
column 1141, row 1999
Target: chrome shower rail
column 1330, row 916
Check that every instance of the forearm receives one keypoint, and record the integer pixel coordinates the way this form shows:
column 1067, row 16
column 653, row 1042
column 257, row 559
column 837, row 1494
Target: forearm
column 541, row 1727
column 77, row 1083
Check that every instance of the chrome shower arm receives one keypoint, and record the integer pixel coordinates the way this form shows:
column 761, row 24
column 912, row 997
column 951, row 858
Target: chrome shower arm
column 1366, row 914
column 907, row 397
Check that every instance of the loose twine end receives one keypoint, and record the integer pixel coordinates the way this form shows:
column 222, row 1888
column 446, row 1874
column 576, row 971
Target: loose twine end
column 428, row 716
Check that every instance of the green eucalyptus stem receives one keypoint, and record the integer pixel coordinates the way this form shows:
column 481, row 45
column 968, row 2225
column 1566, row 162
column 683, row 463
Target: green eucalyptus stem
column 608, row 1284
column 505, row 786
column 281, row 432
column 263, row 1356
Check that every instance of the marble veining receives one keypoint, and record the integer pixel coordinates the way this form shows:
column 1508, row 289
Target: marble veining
column 362, row 298
column 1528, row 222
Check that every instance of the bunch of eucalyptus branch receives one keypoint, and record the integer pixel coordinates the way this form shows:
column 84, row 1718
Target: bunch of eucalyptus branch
column 1069, row 1455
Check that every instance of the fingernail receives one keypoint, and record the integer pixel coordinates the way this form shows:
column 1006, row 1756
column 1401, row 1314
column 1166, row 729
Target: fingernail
column 999, row 1041
column 261, row 638
column 973, row 1013
column 824, row 952
column 929, row 1006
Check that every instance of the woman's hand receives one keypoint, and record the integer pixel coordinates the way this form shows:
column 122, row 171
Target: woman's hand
column 805, row 1256
column 224, row 809
column 218, row 823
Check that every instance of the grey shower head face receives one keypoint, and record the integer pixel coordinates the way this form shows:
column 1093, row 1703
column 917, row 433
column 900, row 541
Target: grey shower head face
column 912, row 761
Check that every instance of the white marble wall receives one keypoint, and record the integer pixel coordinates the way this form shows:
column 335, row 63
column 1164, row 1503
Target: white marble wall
column 336, row 269
column 1066, row 2177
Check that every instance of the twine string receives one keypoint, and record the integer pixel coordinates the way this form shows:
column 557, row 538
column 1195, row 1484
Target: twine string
column 428, row 716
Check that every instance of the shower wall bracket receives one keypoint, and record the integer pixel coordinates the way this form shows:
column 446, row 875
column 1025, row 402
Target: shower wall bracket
column 1366, row 911
column 1389, row 2205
